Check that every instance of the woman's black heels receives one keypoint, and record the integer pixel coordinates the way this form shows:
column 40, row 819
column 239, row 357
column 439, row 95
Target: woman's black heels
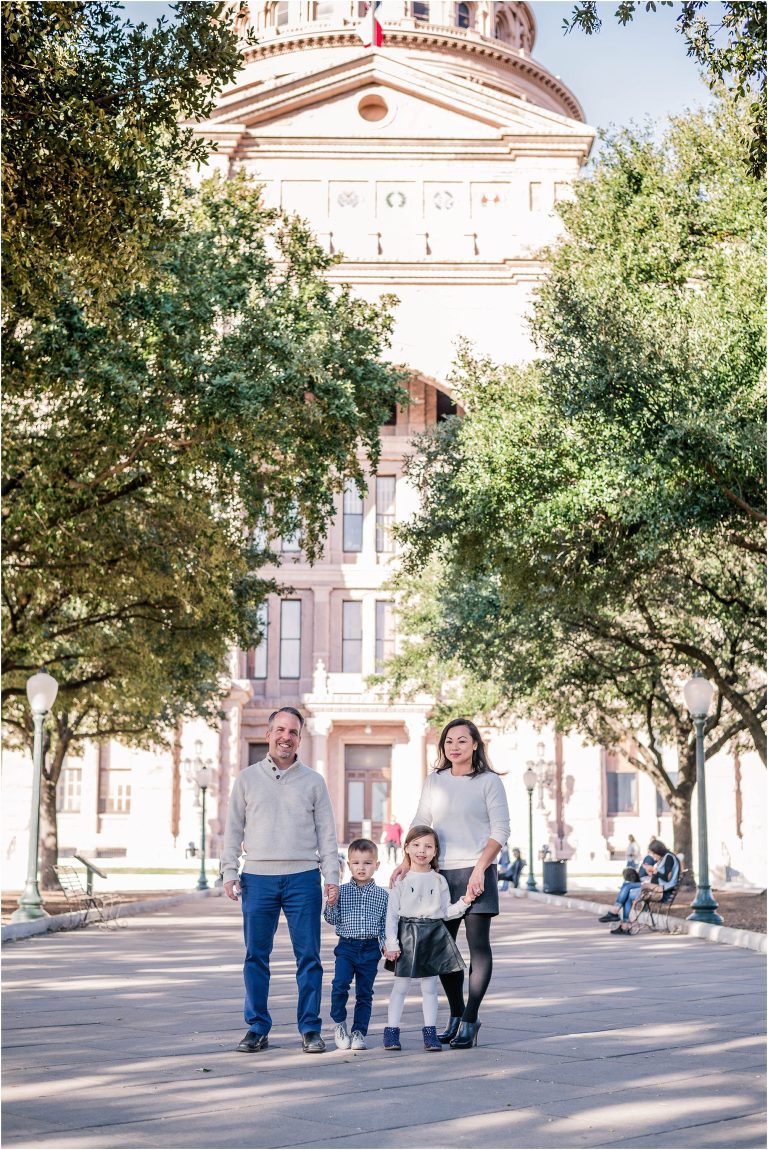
column 466, row 1036
column 450, row 1031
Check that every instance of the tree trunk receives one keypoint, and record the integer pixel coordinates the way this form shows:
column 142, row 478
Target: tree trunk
column 682, row 832
column 680, row 803
column 49, row 829
column 49, row 836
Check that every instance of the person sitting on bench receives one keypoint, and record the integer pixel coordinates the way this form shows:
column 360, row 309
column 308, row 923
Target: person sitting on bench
column 659, row 868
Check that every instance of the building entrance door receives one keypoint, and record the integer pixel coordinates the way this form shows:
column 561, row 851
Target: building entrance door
column 367, row 774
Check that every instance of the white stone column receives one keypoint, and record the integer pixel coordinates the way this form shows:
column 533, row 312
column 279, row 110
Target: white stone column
column 416, row 725
column 319, row 727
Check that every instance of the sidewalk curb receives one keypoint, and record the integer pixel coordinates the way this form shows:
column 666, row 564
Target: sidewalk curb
column 747, row 939
column 15, row 931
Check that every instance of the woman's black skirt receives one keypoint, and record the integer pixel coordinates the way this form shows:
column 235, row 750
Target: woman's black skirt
column 457, row 880
column 426, row 948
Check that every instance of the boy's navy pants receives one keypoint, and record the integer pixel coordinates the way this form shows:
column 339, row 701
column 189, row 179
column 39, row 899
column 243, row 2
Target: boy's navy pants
column 356, row 958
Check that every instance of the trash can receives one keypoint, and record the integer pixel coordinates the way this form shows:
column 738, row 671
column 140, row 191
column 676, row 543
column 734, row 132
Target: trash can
column 555, row 878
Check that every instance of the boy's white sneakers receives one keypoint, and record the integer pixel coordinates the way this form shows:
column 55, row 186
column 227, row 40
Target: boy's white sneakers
column 358, row 1041
column 341, row 1038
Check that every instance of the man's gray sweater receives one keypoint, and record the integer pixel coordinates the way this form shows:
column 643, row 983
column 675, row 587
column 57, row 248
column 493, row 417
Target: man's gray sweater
column 285, row 820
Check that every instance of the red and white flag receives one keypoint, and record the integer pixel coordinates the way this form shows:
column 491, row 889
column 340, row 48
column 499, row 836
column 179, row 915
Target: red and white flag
column 369, row 29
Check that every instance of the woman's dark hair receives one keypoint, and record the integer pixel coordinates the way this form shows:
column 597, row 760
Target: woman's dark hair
column 416, row 833
column 656, row 847
column 480, row 760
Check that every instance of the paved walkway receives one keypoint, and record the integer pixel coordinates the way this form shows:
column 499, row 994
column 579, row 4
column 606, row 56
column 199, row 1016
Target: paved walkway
column 124, row 1038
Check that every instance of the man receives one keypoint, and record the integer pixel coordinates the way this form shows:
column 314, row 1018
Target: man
column 280, row 814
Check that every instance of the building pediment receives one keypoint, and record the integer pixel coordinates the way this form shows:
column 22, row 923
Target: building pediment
column 373, row 97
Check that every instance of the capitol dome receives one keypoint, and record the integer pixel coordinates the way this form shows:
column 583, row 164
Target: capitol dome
column 487, row 43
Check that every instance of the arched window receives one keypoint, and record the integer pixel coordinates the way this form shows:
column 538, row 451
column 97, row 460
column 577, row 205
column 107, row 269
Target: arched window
column 282, row 13
column 421, row 11
column 462, row 15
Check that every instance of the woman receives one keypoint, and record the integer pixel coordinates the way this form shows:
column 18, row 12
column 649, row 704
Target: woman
column 465, row 802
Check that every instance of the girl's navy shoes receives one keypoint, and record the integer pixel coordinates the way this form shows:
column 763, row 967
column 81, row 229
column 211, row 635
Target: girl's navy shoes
column 431, row 1041
column 392, row 1038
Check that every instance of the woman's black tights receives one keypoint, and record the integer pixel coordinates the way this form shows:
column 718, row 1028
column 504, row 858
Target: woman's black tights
column 478, row 928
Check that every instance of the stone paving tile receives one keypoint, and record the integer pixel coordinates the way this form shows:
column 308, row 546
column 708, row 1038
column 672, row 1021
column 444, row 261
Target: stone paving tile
column 746, row 1132
column 563, row 1032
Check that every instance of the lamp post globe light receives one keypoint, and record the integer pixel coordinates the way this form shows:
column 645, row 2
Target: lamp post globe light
column 698, row 693
column 529, row 780
column 42, row 689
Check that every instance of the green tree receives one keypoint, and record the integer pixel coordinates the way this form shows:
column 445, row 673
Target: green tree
column 597, row 517
column 93, row 137
column 731, row 50
column 154, row 452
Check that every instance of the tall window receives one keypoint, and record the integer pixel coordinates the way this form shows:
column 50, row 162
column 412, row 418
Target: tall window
column 385, row 512
column 385, row 632
column 114, row 791
column 352, row 635
column 621, row 785
column 256, row 661
column 282, row 12
column 68, row 790
column 352, row 518
column 290, row 543
column 421, row 11
column 462, row 15
column 290, row 639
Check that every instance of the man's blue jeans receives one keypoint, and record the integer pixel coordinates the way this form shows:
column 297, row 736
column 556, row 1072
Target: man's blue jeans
column 356, row 958
column 299, row 896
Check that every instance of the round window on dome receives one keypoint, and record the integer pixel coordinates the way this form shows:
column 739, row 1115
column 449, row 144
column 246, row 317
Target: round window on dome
column 373, row 108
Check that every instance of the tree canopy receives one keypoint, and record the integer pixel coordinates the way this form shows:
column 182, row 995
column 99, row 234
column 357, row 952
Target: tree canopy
column 227, row 397
column 93, row 137
column 591, row 531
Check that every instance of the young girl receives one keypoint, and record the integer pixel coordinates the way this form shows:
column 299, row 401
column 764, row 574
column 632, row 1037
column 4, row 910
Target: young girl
column 418, row 944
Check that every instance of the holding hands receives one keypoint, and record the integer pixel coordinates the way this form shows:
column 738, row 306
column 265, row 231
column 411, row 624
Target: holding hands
column 476, row 884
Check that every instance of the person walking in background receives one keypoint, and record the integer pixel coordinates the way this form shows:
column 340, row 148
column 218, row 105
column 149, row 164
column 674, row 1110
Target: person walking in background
column 633, row 852
column 360, row 918
column 465, row 802
column 393, row 836
column 418, row 944
column 280, row 814
column 502, row 868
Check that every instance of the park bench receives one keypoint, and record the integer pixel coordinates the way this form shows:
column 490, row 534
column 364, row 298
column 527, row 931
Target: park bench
column 102, row 908
column 653, row 916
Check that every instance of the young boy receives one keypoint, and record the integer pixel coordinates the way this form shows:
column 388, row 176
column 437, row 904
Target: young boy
column 359, row 917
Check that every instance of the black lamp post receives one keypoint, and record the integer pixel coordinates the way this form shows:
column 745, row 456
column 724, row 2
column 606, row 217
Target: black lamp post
column 698, row 693
column 529, row 779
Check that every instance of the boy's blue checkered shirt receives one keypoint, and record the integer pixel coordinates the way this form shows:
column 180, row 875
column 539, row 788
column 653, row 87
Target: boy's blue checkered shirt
column 361, row 912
